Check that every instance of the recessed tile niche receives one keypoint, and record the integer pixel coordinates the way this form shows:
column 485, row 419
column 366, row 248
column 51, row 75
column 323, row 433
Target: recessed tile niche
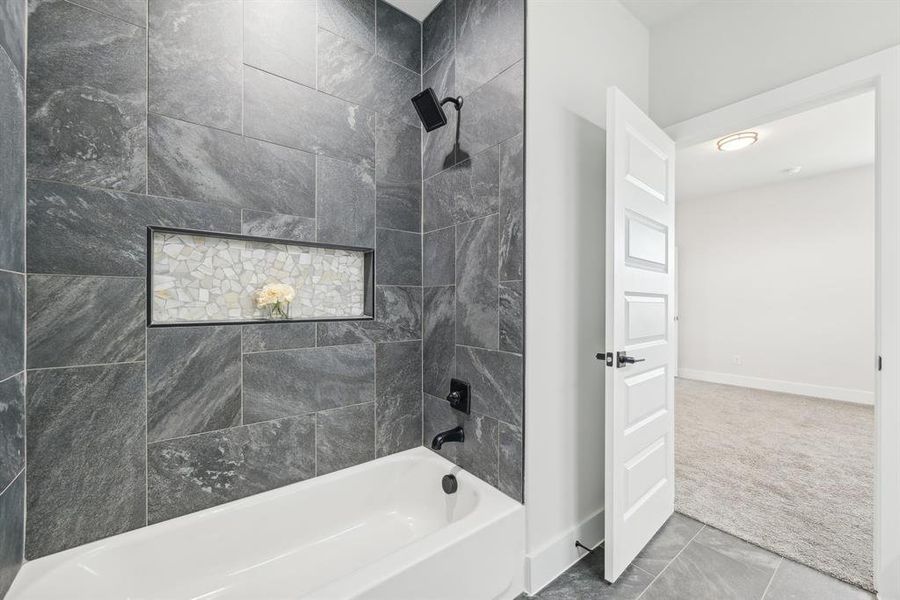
column 198, row 277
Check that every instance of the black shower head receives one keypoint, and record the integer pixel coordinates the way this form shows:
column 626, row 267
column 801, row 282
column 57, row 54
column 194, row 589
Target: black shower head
column 431, row 112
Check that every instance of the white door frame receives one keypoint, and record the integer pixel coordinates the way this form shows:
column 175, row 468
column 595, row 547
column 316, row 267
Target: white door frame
column 879, row 72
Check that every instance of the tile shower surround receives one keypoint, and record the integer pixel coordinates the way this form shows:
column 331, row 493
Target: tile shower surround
column 248, row 126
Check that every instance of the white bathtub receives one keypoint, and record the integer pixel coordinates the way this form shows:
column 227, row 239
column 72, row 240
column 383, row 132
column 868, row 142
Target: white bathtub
column 382, row 530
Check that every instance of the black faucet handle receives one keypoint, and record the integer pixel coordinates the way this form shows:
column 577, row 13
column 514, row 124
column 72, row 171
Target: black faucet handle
column 460, row 396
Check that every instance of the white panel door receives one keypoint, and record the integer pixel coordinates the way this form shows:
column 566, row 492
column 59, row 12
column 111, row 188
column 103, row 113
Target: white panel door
column 640, row 395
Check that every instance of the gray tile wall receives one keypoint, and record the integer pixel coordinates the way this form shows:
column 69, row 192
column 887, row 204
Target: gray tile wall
column 13, row 17
column 473, row 247
column 272, row 118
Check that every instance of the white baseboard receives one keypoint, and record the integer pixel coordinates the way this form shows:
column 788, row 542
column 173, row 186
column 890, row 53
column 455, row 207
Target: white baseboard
column 787, row 387
column 551, row 560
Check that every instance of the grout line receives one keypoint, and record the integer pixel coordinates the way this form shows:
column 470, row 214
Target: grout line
column 12, row 481
column 88, row 366
column 772, row 578
column 13, row 376
column 107, row 15
column 668, row 564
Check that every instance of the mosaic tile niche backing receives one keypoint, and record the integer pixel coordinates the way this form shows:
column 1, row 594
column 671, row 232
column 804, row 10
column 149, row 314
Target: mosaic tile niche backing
column 197, row 278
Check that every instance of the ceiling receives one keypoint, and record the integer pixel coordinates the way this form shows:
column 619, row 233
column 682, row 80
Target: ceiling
column 836, row 136
column 416, row 8
column 655, row 12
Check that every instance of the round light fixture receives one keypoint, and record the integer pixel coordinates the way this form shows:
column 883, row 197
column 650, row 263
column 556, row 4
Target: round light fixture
column 737, row 141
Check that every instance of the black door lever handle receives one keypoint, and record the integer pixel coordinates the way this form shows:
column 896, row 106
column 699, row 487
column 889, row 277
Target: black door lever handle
column 623, row 359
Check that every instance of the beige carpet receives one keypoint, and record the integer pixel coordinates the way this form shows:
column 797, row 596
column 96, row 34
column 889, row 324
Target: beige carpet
column 789, row 473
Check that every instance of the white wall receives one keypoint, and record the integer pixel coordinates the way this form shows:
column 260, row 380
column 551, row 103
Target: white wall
column 575, row 50
column 783, row 276
column 722, row 52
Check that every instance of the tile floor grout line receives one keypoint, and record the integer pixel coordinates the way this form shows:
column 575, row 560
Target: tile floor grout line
column 772, row 578
column 674, row 558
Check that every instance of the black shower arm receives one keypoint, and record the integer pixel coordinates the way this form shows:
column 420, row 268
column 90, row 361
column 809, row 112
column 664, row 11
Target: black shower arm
column 457, row 102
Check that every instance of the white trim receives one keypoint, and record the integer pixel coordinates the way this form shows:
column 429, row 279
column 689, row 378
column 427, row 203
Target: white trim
column 787, row 387
column 554, row 558
column 880, row 72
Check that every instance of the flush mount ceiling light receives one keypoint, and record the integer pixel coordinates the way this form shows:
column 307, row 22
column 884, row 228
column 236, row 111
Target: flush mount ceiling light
column 737, row 141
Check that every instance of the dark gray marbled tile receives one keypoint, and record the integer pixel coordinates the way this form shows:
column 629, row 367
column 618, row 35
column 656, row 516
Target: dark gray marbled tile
column 88, row 231
column 344, row 437
column 12, row 323
column 477, row 299
column 280, row 37
column 398, row 396
column 794, row 581
column 468, row 190
column 439, row 257
column 292, row 382
column 438, row 33
column 278, row 336
column 511, row 461
column 667, row 543
column 132, row 11
column 439, row 350
column 715, row 567
column 285, row 227
column 495, row 112
column 399, row 37
column 399, row 258
column 398, row 317
column 86, row 455
column 199, row 163
column 12, row 163
column 496, row 380
column 12, row 31
column 12, row 527
column 490, row 36
column 512, row 316
column 347, row 71
column 398, row 175
column 87, row 97
column 293, row 115
column 353, row 20
column 440, row 147
column 193, row 380
column 584, row 581
column 479, row 454
column 75, row 320
column 345, row 206
column 189, row 474
column 12, row 428
column 195, row 61
column 512, row 209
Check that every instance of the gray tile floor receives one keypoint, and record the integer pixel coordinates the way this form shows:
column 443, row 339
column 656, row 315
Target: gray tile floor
column 688, row 560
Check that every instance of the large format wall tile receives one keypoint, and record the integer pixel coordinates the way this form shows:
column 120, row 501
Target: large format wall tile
column 280, row 37
column 345, row 206
column 271, row 225
column 438, row 33
column 496, row 379
column 344, row 437
column 479, row 454
column 469, row 190
column 476, row 283
column 12, row 527
column 511, row 461
column 399, row 37
column 132, row 11
column 12, row 323
column 398, row 175
column 195, row 61
column 12, row 163
column 495, row 112
column 87, row 97
column 353, row 20
column 193, row 380
column 75, row 320
column 512, row 209
column 292, row 382
column 439, row 257
column 189, row 474
column 12, row 428
column 399, row 258
column 441, row 146
column 12, row 31
column 512, row 316
column 280, row 111
column 439, row 350
column 277, row 336
column 88, row 231
column 86, row 455
column 398, row 317
column 199, row 163
column 347, row 71
column 490, row 36
column 398, row 396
